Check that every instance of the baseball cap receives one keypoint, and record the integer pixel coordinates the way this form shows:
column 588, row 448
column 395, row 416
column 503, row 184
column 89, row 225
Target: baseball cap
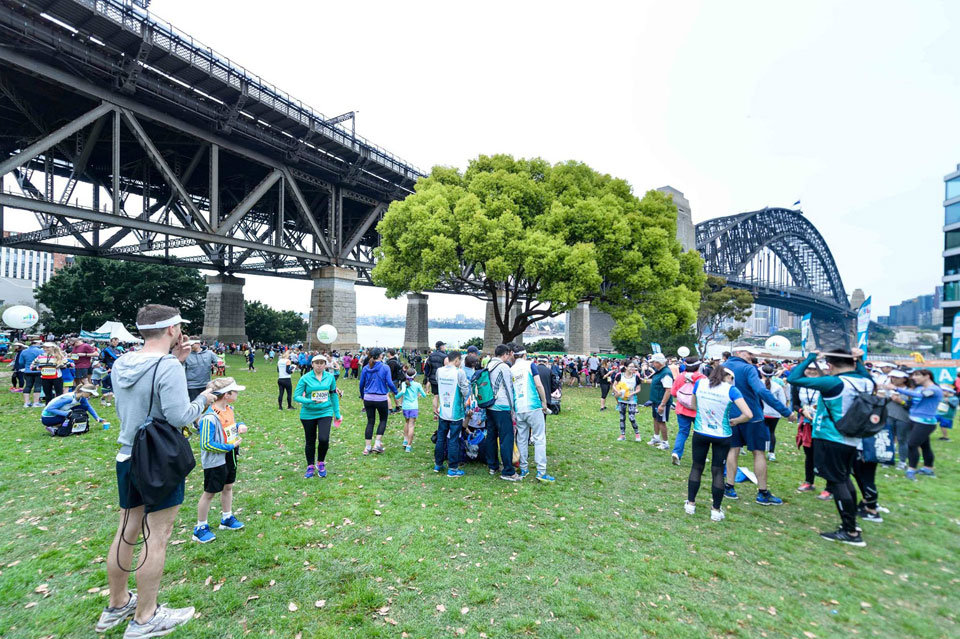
column 897, row 373
column 441, row 344
column 317, row 358
column 473, row 349
column 746, row 348
column 658, row 357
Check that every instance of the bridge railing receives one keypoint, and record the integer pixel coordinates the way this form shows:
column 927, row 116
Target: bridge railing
column 175, row 42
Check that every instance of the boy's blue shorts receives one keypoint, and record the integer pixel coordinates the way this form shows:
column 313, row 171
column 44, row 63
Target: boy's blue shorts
column 945, row 422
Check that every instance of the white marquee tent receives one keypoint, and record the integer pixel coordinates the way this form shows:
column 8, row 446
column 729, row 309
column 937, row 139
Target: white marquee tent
column 116, row 329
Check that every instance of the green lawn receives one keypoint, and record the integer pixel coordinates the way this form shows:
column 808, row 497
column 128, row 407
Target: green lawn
column 383, row 547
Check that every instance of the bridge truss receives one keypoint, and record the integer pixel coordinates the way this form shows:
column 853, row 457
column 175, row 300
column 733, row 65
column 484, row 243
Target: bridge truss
column 128, row 139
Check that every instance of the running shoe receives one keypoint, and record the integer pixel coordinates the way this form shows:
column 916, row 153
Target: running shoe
column 231, row 523
column 622, row 438
column 768, row 499
column 730, row 492
column 883, row 509
column 940, row 439
column 367, row 450
column 926, row 471
column 825, row 495
column 311, row 471
column 203, row 534
column 321, row 470
column 664, row 445
column 405, row 443
column 866, row 515
column 493, row 471
column 378, row 448
column 408, row 448
column 771, row 457
column 805, row 487
column 513, row 477
column 844, row 537
column 113, row 617
column 690, row 509
column 675, row 458
column 911, row 474
column 523, row 473
column 38, row 404
column 163, row 622
column 545, row 478
column 717, row 515
column 637, row 438
column 454, row 472
column 654, row 441
column 901, row 465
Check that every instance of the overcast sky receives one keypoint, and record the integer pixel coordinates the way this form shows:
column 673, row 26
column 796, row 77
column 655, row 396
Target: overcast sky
column 851, row 107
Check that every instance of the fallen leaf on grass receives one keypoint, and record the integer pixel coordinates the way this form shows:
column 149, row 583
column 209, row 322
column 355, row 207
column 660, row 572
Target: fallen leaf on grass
column 217, row 587
column 251, row 598
column 31, row 604
column 864, row 604
column 208, row 581
column 390, row 621
column 809, row 635
column 464, row 610
column 441, row 608
column 292, row 607
column 377, row 512
column 41, row 589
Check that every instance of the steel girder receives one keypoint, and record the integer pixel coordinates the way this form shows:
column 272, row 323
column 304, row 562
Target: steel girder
column 728, row 244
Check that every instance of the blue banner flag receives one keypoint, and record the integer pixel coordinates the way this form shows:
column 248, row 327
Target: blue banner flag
column 804, row 332
column 863, row 325
column 103, row 337
column 955, row 346
column 655, row 347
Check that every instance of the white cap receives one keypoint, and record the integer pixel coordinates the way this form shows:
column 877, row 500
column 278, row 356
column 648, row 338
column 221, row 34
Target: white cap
column 316, row 358
column 745, row 348
column 658, row 357
column 897, row 373
column 232, row 387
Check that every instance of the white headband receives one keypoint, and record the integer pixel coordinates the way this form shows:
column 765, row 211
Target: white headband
column 170, row 321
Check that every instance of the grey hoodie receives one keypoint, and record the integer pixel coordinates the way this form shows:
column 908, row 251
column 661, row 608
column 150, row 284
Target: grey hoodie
column 132, row 375
column 197, row 367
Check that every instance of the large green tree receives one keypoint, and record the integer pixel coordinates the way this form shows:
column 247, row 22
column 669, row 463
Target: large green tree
column 93, row 290
column 719, row 304
column 266, row 324
column 539, row 239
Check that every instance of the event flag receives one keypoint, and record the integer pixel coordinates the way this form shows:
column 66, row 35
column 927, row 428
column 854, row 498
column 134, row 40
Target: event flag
column 804, row 332
column 863, row 325
column 955, row 346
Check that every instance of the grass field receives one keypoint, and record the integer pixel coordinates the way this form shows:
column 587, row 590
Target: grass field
column 383, row 547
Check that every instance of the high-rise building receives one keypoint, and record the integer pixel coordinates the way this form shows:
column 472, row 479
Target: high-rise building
column 22, row 270
column 951, row 257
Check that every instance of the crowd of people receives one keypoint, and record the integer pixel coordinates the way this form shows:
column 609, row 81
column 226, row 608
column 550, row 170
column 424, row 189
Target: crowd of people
column 488, row 409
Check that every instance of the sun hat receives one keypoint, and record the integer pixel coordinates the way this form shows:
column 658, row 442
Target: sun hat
column 88, row 388
column 319, row 357
column 897, row 373
column 232, row 387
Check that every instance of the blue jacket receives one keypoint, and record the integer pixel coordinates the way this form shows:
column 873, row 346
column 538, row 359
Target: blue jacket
column 754, row 391
column 376, row 380
column 27, row 356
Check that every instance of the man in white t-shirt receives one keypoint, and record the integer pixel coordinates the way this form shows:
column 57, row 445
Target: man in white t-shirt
column 530, row 408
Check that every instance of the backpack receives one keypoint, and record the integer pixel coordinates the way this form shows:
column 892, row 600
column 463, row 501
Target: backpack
column 866, row 416
column 685, row 392
column 77, row 423
column 482, row 388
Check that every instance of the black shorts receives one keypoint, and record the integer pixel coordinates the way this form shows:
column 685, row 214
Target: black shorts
column 434, row 388
column 130, row 497
column 833, row 461
column 657, row 416
column 31, row 382
column 214, row 479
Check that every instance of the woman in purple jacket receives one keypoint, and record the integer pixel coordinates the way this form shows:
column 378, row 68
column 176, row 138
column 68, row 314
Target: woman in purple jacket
column 375, row 382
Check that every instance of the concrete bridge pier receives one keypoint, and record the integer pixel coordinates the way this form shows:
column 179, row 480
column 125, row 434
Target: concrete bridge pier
column 223, row 315
column 491, row 332
column 576, row 334
column 416, row 330
column 333, row 301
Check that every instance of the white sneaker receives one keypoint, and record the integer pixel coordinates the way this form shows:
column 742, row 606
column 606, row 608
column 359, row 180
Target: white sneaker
column 113, row 617
column 163, row 622
column 771, row 457
column 664, row 445
column 654, row 441
column 717, row 515
column 689, row 508
column 675, row 458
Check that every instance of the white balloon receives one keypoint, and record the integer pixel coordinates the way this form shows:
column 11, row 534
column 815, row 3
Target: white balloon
column 777, row 344
column 20, row 317
column 683, row 351
column 326, row 334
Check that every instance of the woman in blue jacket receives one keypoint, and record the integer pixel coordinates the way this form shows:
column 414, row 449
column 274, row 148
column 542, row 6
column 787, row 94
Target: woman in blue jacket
column 58, row 410
column 923, row 420
column 375, row 382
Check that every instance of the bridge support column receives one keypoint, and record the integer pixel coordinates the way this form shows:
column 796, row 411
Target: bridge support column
column 223, row 315
column 333, row 301
column 576, row 332
column 416, row 330
column 491, row 332
column 601, row 325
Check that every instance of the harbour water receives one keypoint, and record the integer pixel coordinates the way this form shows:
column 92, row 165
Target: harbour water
column 386, row 336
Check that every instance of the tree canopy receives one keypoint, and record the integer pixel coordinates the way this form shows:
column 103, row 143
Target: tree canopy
column 93, row 290
column 538, row 239
column 720, row 303
column 266, row 324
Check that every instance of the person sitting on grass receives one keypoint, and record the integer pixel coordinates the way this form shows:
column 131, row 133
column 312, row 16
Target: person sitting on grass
column 58, row 410
column 219, row 445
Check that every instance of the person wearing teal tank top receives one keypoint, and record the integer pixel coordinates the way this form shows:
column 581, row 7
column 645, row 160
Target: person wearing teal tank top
column 530, row 406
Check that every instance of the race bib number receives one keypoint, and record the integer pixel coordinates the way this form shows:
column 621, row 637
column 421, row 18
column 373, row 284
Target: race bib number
column 48, row 371
column 446, row 400
column 320, row 396
column 78, row 427
column 232, row 434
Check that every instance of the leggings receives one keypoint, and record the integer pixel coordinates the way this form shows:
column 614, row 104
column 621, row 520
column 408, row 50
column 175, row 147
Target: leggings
column 17, row 379
column 285, row 386
column 845, row 497
column 771, row 423
column 604, row 389
column 373, row 410
column 808, row 475
column 918, row 440
column 625, row 410
column 866, row 475
column 51, row 388
column 316, row 432
column 718, row 461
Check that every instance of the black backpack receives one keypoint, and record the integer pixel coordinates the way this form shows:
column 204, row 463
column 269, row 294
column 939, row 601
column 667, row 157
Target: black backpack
column 866, row 416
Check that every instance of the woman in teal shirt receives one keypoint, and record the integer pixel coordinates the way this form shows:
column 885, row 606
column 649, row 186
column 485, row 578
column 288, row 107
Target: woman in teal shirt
column 319, row 404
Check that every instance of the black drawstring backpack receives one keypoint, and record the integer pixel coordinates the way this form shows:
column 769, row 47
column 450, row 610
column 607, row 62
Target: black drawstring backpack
column 161, row 456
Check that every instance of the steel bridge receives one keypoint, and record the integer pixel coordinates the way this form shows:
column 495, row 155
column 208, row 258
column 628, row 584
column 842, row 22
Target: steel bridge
column 128, row 139
column 780, row 257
